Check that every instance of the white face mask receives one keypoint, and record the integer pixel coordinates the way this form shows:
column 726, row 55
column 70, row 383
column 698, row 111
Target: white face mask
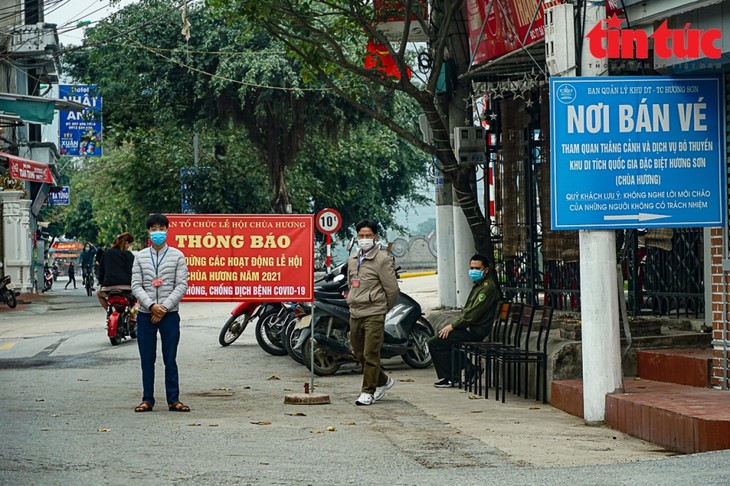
column 365, row 243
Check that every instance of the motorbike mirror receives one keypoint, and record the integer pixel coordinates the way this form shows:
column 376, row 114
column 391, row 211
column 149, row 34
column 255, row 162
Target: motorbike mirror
column 350, row 243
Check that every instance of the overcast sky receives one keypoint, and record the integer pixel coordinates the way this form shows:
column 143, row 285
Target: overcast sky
column 67, row 13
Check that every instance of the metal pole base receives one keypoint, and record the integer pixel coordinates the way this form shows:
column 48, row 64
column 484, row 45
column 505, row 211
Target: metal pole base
column 306, row 399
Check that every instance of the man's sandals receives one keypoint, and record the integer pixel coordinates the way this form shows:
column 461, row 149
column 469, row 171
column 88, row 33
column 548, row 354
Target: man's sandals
column 174, row 407
column 143, row 407
column 178, row 407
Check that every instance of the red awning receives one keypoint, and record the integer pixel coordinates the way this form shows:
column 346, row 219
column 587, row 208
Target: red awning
column 29, row 170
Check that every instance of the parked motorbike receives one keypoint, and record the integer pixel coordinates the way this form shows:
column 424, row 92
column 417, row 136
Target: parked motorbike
column 120, row 321
column 47, row 279
column 7, row 292
column 293, row 331
column 243, row 313
column 406, row 334
column 335, row 288
column 272, row 319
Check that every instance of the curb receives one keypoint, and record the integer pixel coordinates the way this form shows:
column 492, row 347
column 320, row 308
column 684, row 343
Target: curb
column 417, row 274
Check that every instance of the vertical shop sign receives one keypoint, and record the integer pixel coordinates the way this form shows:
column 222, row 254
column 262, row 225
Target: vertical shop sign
column 80, row 132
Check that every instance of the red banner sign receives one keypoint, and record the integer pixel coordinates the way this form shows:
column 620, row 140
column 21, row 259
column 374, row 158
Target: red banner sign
column 67, row 245
column 498, row 27
column 29, row 170
column 234, row 257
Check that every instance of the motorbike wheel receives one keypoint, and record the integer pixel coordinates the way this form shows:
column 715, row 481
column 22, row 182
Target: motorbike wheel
column 268, row 333
column 10, row 299
column 291, row 336
column 133, row 332
column 233, row 328
column 88, row 290
column 324, row 363
column 418, row 355
column 114, row 340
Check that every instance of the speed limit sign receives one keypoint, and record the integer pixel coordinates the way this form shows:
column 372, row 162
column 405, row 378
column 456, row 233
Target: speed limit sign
column 328, row 221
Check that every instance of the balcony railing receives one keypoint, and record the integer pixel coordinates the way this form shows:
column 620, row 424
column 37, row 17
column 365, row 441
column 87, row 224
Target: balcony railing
column 33, row 39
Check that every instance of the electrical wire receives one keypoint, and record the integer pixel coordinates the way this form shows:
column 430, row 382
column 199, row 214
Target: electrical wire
column 225, row 78
column 83, row 13
column 39, row 33
column 238, row 53
column 120, row 34
column 73, row 23
column 12, row 11
column 157, row 52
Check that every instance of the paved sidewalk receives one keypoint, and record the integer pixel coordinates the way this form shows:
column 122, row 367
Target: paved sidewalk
column 526, row 430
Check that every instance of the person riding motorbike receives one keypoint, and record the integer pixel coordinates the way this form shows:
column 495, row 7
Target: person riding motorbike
column 115, row 268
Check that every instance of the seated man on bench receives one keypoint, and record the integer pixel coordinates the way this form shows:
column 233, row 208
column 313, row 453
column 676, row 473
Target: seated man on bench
column 474, row 323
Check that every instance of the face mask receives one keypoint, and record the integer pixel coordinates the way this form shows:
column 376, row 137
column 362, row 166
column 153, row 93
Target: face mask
column 365, row 243
column 475, row 275
column 158, row 237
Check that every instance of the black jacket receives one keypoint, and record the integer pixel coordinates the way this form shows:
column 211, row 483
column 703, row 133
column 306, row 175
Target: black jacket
column 116, row 267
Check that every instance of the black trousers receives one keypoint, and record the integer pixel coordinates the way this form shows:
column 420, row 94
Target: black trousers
column 441, row 351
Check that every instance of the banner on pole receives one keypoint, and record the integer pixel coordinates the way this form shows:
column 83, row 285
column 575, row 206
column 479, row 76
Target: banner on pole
column 80, row 132
column 235, row 257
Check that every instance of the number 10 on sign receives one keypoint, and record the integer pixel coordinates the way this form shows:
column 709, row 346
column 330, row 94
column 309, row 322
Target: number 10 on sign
column 329, row 222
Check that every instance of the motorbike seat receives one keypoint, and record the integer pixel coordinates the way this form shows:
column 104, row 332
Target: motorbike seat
column 330, row 286
column 320, row 295
column 121, row 297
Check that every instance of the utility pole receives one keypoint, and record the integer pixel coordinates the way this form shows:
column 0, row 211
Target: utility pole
column 463, row 241
column 445, row 242
column 444, row 228
column 598, row 286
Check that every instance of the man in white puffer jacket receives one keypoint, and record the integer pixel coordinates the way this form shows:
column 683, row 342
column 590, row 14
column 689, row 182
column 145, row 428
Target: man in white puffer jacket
column 159, row 282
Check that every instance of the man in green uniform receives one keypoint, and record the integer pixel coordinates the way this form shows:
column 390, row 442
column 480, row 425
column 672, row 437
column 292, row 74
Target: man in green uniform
column 474, row 323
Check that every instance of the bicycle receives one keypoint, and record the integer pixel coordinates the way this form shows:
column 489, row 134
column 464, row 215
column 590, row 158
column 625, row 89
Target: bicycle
column 88, row 281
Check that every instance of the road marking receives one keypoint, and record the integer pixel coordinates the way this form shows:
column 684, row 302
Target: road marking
column 6, row 346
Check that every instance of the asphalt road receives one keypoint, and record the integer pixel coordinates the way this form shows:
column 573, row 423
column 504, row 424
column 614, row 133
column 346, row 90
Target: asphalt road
column 67, row 397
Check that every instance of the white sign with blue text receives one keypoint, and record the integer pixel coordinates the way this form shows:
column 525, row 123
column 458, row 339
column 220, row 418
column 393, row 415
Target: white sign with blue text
column 636, row 152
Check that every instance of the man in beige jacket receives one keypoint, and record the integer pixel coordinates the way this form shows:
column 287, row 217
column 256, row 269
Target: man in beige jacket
column 373, row 292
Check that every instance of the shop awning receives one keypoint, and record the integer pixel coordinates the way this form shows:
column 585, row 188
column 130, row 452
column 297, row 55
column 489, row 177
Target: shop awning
column 29, row 170
column 35, row 108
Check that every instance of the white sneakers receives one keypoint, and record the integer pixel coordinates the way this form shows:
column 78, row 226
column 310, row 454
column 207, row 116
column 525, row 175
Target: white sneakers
column 365, row 399
column 380, row 391
column 368, row 399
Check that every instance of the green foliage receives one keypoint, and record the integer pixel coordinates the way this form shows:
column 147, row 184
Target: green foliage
column 426, row 227
column 264, row 132
column 80, row 222
column 362, row 176
column 330, row 38
column 135, row 180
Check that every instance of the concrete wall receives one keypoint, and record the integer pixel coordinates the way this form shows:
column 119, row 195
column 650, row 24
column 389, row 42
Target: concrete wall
column 418, row 252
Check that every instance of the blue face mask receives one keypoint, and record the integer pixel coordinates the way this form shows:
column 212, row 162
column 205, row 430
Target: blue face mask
column 158, row 237
column 475, row 275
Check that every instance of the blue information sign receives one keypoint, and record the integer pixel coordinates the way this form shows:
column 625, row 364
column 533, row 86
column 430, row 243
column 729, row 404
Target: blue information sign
column 636, row 152
column 60, row 198
column 80, row 132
